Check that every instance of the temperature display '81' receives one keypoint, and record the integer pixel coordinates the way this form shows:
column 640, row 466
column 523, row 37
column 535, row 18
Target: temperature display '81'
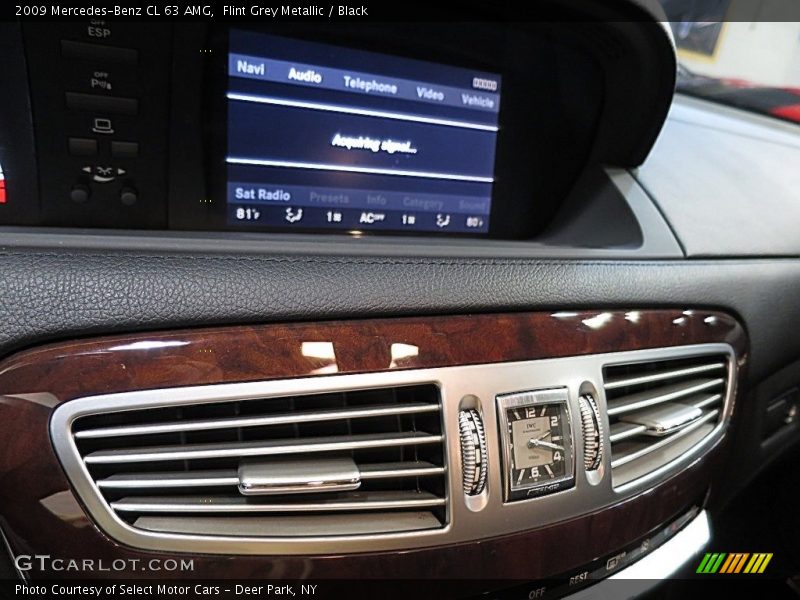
column 537, row 442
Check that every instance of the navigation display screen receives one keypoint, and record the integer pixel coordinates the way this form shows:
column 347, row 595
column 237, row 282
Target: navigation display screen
column 322, row 137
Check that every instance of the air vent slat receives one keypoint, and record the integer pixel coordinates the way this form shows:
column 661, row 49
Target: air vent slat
column 237, row 504
column 169, row 480
column 633, row 451
column 263, row 421
column 344, row 463
column 661, row 411
column 705, row 400
column 621, row 382
column 399, row 469
column 667, row 393
column 229, row 477
column 265, row 448
column 288, row 525
column 622, row 431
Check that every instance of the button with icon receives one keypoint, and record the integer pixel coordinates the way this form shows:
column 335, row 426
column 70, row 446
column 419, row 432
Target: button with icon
column 294, row 215
column 103, row 126
column 103, row 174
column 82, row 146
column 125, row 149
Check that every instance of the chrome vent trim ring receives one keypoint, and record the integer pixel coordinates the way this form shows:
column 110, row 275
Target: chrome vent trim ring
column 415, row 526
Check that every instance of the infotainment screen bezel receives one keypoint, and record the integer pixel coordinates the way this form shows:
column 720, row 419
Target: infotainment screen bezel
column 378, row 158
column 536, row 160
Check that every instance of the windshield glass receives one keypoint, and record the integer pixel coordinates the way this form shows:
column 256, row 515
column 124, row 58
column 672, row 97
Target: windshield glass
column 749, row 64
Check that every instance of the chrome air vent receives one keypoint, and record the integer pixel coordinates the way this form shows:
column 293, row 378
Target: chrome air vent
column 344, row 463
column 374, row 462
column 662, row 410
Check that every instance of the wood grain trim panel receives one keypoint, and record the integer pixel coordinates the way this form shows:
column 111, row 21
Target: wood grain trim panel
column 235, row 354
column 40, row 514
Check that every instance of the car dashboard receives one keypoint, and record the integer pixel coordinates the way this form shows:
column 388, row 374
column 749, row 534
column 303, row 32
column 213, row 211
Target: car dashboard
column 483, row 304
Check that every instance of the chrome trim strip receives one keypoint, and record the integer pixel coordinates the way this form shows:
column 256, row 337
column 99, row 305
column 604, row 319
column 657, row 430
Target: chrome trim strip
column 389, row 470
column 267, row 448
column 300, row 416
column 180, row 479
column 229, row 477
column 708, row 401
column 287, row 526
column 465, row 523
column 616, row 383
column 640, row 400
column 622, row 431
column 238, row 504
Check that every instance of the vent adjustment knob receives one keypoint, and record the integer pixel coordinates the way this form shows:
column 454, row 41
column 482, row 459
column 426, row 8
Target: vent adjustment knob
column 592, row 433
column 473, row 451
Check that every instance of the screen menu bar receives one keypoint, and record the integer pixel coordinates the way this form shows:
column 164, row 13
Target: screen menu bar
column 310, row 196
column 279, row 71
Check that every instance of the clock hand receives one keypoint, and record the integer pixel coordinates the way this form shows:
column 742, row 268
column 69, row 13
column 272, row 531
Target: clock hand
column 534, row 443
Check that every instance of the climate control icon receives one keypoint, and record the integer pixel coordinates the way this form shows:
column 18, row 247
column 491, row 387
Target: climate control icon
column 294, row 215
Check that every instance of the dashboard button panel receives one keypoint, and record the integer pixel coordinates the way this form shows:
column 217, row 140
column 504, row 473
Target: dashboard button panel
column 124, row 149
column 97, row 103
column 82, row 147
column 104, row 94
column 98, row 52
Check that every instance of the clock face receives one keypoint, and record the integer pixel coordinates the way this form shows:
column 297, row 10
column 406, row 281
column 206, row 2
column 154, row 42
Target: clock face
column 538, row 452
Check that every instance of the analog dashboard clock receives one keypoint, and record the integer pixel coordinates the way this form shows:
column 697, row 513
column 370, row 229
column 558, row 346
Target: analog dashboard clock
column 537, row 443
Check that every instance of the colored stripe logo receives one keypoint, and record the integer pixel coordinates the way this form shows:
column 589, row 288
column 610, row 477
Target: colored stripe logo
column 732, row 563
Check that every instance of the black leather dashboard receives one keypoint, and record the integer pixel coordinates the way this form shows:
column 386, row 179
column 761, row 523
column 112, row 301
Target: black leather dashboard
column 59, row 293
